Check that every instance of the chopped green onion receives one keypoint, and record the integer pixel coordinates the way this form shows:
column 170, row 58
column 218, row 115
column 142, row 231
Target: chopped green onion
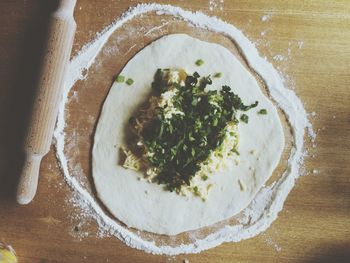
column 129, row 81
column 199, row 62
column 178, row 145
column 262, row 111
column 120, row 79
column 234, row 150
column 218, row 75
column 193, row 152
column 204, row 177
column 244, row 118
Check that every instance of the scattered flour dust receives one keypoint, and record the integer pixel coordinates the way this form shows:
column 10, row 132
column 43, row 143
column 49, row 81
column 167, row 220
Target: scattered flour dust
column 216, row 4
column 265, row 18
column 263, row 210
column 279, row 57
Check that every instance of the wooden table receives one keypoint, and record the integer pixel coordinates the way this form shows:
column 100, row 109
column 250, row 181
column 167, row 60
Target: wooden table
column 314, row 226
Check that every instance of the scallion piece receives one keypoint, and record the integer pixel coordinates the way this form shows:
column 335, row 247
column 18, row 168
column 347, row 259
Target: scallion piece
column 129, row 81
column 199, row 62
column 244, row 118
column 218, row 75
column 262, row 111
column 120, row 79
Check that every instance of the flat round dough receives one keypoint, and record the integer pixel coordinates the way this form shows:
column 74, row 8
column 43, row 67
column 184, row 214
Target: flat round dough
column 147, row 206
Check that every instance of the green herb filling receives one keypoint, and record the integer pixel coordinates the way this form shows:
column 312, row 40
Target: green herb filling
column 199, row 62
column 218, row 75
column 129, row 81
column 244, row 118
column 263, row 111
column 189, row 126
column 120, row 79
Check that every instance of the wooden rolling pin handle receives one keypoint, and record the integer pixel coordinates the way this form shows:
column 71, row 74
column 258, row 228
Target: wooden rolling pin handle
column 47, row 100
column 29, row 180
column 66, row 6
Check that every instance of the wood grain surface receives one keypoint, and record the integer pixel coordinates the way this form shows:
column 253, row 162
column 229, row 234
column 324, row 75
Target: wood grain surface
column 314, row 225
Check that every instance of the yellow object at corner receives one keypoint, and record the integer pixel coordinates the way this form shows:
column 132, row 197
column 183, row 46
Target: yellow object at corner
column 7, row 254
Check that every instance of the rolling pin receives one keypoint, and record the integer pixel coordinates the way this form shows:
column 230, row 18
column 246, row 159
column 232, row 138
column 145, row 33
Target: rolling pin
column 47, row 99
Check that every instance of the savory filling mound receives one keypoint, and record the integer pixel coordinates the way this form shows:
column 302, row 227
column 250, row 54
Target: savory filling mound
column 185, row 132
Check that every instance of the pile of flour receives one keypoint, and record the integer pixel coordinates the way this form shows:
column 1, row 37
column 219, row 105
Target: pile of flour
column 263, row 210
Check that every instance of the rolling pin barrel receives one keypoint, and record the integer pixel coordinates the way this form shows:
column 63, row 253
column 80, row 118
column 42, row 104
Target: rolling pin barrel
column 48, row 97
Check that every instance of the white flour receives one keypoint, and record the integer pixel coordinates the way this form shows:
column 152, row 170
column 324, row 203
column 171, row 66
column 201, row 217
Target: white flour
column 279, row 57
column 265, row 18
column 216, row 4
column 268, row 203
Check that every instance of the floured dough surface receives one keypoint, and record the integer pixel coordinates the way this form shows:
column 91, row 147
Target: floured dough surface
column 147, row 206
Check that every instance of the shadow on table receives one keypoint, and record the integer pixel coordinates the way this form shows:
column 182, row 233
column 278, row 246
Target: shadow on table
column 331, row 254
column 24, row 34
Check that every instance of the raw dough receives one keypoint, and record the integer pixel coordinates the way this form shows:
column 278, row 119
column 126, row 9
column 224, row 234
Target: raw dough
column 147, row 206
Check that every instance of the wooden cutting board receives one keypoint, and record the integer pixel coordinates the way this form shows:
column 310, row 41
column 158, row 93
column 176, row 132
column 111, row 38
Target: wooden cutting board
column 313, row 40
